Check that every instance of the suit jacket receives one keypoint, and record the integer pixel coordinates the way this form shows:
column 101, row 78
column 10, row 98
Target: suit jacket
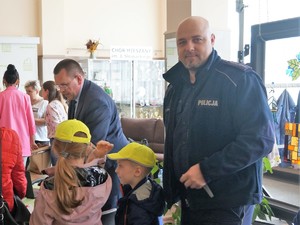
column 99, row 112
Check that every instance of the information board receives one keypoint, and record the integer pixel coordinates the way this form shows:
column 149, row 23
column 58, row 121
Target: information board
column 21, row 52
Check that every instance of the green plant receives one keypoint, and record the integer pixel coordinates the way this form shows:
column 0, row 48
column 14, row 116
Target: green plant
column 267, row 167
column 155, row 171
column 176, row 214
column 263, row 210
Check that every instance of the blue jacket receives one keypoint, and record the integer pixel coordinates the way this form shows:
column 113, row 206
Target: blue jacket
column 284, row 114
column 223, row 122
column 99, row 112
column 141, row 205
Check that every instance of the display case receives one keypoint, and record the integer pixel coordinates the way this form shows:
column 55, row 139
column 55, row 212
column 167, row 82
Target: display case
column 137, row 87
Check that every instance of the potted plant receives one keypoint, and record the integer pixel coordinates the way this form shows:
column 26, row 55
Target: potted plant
column 263, row 210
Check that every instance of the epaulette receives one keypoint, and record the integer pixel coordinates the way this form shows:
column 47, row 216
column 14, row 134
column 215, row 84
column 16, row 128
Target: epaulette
column 236, row 65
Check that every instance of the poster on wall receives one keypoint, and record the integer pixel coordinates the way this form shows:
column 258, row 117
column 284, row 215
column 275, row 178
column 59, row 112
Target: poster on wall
column 21, row 52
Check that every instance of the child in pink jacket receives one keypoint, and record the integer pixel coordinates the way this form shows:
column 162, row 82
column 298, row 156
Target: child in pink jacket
column 77, row 191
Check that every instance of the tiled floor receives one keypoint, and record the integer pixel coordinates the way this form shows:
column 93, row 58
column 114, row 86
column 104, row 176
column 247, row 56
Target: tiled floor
column 282, row 190
column 284, row 185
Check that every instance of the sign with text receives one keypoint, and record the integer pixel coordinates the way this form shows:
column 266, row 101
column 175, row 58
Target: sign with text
column 131, row 53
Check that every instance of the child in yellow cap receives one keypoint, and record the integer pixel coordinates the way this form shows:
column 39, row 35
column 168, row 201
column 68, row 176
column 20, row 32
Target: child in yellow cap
column 143, row 200
column 77, row 191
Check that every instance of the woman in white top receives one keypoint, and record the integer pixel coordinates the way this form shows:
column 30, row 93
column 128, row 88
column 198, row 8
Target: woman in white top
column 56, row 111
column 39, row 106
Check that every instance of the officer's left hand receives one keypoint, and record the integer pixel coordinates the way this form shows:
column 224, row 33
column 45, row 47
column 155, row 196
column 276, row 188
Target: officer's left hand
column 193, row 178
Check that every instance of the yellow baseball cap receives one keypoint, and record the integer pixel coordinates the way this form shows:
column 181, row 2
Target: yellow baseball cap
column 136, row 152
column 66, row 130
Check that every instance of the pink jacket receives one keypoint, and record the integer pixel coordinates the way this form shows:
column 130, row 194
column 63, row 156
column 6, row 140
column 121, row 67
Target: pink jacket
column 16, row 113
column 46, row 212
column 13, row 171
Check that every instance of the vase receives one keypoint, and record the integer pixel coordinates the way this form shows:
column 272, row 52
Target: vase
column 92, row 55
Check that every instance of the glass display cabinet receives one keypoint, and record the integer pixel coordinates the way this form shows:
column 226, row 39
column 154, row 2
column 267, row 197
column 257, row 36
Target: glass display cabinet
column 137, row 87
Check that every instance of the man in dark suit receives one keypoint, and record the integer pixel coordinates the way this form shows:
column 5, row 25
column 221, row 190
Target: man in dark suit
column 98, row 111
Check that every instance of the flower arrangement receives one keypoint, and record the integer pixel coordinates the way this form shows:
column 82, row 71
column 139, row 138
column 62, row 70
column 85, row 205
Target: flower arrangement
column 294, row 67
column 92, row 45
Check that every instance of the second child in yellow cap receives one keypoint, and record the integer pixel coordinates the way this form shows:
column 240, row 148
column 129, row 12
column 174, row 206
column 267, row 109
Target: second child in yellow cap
column 143, row 200
column 141, row 154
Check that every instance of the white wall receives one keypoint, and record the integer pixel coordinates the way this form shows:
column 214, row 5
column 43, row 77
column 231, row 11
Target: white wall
column 19, row 18
column 114, row 22
column 223, row 20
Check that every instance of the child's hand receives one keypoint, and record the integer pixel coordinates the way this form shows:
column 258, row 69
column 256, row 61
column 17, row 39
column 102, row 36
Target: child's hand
column 99, row 151
column 49, row 171
column 102, row 148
